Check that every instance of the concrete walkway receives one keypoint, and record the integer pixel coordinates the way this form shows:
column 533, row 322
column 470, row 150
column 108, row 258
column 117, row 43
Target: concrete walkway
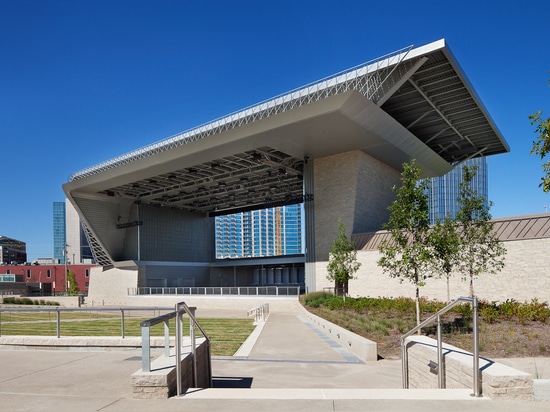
column 290, row 367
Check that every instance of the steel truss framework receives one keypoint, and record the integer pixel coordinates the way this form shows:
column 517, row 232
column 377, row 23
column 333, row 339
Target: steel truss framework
column 423, row 89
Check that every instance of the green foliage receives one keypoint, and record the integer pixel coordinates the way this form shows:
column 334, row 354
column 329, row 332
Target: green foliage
column 445, row 243
column 26, row 301
column 342, row 263
column 541, row 146
column 480, row 250
column 73, row 284
column 397, row 308
column 407, row 255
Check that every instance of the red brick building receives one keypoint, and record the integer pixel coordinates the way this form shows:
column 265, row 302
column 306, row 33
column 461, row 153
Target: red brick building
column 50, row 278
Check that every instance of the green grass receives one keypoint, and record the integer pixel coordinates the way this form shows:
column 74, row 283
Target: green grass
column 226, row 335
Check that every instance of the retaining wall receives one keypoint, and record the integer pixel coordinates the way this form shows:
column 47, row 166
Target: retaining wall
column 498, row 381
column 161, row 381
column 363, row 348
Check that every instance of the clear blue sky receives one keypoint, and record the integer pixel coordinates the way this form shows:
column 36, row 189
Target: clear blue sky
column 84, row 81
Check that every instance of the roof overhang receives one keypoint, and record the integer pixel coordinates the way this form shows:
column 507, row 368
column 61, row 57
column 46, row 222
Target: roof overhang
column 413, row 104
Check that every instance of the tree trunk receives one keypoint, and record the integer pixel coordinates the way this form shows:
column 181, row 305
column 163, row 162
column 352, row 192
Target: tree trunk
column 471, row 284
column 340, row 288
column 417, row 307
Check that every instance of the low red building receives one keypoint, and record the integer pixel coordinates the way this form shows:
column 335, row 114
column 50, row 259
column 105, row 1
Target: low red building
column 51, row 279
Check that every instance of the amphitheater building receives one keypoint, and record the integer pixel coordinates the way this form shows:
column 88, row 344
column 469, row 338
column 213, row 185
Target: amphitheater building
column 336, row 145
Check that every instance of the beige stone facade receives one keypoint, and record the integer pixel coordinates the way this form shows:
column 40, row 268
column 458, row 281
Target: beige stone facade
column 526, row 275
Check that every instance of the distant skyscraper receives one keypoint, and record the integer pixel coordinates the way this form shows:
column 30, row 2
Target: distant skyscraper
column 444, row 190
column 12, row 251
column 59, row 231
column 265, row 232
column 67, row 230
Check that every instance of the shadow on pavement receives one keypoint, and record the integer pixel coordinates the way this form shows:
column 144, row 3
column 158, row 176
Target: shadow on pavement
column 231, row 382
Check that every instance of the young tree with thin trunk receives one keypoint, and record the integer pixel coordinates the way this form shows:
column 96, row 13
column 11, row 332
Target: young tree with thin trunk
column 407, row 254
column 73, row 288
column 445, row 243
column 342, row 263
column 480, row 250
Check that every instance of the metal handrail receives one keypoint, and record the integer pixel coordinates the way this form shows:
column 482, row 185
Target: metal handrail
column 273, row 290
column 437, row 315
column 181, row 307
column 58, row 310
column 260, row 313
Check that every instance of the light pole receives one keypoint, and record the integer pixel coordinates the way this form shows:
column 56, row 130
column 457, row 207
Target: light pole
column 66, row 274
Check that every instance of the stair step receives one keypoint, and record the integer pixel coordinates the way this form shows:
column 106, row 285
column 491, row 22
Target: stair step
column 296, row 393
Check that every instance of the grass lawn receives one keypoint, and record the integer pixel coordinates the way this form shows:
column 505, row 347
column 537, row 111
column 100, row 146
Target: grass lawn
column 226, row 334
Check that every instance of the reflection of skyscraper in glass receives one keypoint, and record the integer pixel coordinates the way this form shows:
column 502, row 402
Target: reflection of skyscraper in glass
column 59, row 231
column 265, row 232
column 444, row 190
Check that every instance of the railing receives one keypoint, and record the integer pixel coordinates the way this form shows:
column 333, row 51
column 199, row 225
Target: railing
column 437, row 316
column 180, row 309
column 260, row 313
column 225, row 291
column 59, row 311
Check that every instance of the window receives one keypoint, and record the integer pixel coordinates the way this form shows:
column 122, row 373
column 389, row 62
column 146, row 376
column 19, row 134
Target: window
column 87, row 273
column 49, row 273
column 28, row 273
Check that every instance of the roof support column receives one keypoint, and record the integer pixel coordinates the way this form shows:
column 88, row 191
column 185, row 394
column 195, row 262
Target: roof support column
column 309, row 219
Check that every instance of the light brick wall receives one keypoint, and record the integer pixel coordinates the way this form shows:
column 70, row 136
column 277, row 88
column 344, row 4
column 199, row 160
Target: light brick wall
column 354, row 187
column 526, row 275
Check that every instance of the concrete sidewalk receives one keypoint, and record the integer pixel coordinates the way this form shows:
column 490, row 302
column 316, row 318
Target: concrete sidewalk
column 290, row 367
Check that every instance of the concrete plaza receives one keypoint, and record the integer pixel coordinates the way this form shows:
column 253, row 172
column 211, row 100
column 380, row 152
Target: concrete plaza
column 290, row 367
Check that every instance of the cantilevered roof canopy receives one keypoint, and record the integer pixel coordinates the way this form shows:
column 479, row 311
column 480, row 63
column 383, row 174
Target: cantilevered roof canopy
column 413, row 103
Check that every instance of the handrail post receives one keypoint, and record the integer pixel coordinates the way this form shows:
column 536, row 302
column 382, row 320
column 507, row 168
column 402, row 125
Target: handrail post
column 122, row 322
column 167, row 338
column 193, row 347
column 404, row 365
column 440, row 376
column 477, row 389
column 178, row 351
column 58, row 323
column 145, row 349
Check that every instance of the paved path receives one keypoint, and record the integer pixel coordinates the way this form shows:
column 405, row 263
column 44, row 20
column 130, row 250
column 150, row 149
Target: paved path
column 291, row 367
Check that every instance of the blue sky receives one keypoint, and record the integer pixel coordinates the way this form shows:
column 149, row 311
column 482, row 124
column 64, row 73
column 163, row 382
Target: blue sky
column 84, row 81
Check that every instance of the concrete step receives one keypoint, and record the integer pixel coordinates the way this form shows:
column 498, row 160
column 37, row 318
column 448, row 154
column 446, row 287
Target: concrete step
column 334, row 394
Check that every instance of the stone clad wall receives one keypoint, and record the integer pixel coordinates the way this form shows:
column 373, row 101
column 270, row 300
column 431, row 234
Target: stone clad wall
column 498, row 381
column 526, row 275
column 161, row 382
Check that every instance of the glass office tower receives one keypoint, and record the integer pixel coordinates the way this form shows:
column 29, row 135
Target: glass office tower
column 444, row 190
column 59, row 232
column 266, row 232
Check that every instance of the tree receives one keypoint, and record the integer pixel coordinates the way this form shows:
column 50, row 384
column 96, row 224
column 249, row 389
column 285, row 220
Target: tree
column 342, row 263
column 445, row 243
column 73, row 284
column 480, row 251
column 407, row 254
column 541, row 146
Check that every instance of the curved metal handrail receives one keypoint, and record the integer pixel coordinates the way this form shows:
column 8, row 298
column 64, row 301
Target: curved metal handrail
column 437, row 316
